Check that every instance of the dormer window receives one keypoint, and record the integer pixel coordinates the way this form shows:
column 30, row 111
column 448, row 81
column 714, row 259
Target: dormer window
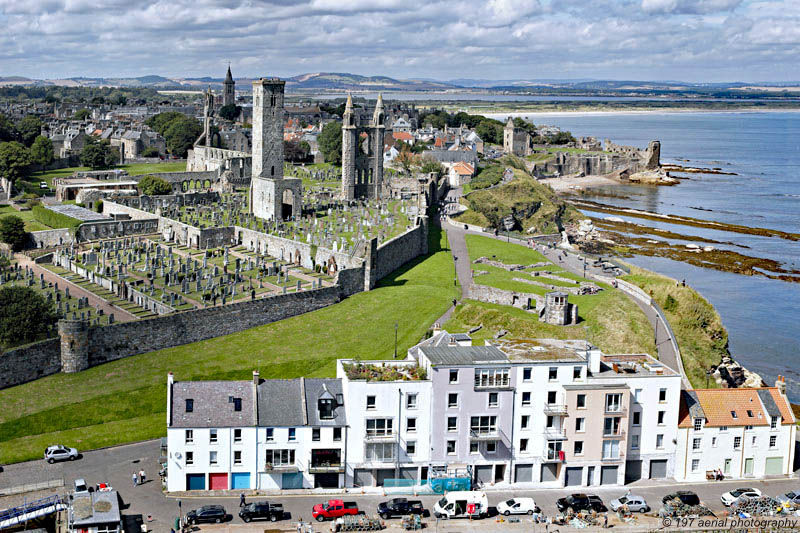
column 698, row 424
column 750, row 413
column 734, row 415
column 237, row 404
column 189, row 405
column 325, row 407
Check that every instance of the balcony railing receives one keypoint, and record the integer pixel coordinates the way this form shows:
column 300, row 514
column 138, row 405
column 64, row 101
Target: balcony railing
column 619, row 459
column 325, row 468
column 550, row 456
column 555, row 409
column 620, row 434
column 484, row 434
column 492, row 382
column 281, row 468
column 555, row 433
column 616, row 411
column 379, row 436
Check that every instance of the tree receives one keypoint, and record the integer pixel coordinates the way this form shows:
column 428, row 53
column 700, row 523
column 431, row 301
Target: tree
column 7, row 130
column 42, row 151
column 28, row 129
column 490, row 131
column 12, row 232
column 330, row 142
column 429, row 165
column 407, row 159
column 81, row 114
column 293, row 151
column 98, row 155
column 25, row 315
column 230, row 111
column 154, row 186
column 181, row 134
column 14, row 158
column 150, row 151
column 161, row 122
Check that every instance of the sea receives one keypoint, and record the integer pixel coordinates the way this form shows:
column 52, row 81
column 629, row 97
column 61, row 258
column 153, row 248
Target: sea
column 762, row 315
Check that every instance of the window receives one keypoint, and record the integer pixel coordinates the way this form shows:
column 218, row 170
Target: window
column 695, row 464
column 491, row 377
column 189, row 458
column 237, row 404
column 525, row 421
column 577, row 372
column 550, row 421
column 662, row 395
column 552, row 374
column 613, row 402
column 452, row 400
column 411, row 425
column 753, row 441
column 526, row 374
column 696, row 444
column 280, row 457
column 611, row 425
column 337, row 434
column 473, row 446
column 212, row 458
column 237, row 457
column 370, row 402
column 483, row 424
column 610, row 449
column 189, row 405
column 713, row 442
column 634, row 442
column 551, row 397
column 212, row 436
column 748, row 428
column 270, row 434
column 637, row 418
column 773, row 423
column 292, row 434
column 379, row 427
column 189, row 436
column 750, row 413
column 723, row 428
column 578, row 450
column 660, row 441
column 493, row 399
column 580, row 425
column 737, row 443
column 637, row 395
column 411, row 447
column 452, row 423
column 698, row 424
column 526, row 399
column 451, row 447
column 325, row 408
column 411, row 401
column 315, row 434
column 453, row 375
column 661, row 415
column 773, row 441
column 580, row 401
column 491, row 446
column 734, row 415
column 523, row 445
column 237, row 435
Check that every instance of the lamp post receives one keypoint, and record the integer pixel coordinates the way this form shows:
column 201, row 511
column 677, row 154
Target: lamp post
column 395, row 340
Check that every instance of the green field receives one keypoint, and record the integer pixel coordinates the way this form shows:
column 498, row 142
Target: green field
column 31, row 224
column 125, row 400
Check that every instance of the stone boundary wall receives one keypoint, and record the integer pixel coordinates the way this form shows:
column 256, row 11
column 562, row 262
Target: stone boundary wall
column 50, row 238
column 350, row 280
column 398, row 251
column 92, row 231
column 27, row 363
column 146, row 301
column 287, row 250
column 113, row 208
column 64, row 262
column 492, row 295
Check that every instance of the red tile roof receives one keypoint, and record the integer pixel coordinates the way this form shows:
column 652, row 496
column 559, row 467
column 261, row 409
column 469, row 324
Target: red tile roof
column 719, row 406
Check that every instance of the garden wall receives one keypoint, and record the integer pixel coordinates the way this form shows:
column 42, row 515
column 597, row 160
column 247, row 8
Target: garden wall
column 30, row 362
column 392, row 254
column 49, row 238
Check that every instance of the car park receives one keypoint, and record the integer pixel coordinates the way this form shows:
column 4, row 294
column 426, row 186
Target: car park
column 60, row 453
column 686, row 497
column 517, row 506
column 634, row 503
column 261, row 511
column 207, row 514
column 747, row 492
column 581, row 502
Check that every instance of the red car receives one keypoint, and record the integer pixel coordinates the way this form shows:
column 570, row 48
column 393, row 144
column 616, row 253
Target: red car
column 333, row 509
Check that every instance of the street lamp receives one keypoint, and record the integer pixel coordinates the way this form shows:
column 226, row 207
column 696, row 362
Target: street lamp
column 395, row 340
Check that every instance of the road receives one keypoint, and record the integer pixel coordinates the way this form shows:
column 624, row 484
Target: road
column 115, row 465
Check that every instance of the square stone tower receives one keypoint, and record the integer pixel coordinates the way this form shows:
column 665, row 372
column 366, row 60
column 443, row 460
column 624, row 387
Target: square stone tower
column 271, row 196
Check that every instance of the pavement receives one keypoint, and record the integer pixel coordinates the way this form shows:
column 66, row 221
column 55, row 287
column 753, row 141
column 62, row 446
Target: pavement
column 116, row 465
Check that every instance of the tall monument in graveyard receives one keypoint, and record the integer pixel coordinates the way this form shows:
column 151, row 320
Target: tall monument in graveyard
column 272, row 196
column 362, row 152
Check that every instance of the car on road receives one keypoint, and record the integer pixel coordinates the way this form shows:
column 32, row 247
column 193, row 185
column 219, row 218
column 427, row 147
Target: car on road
column 60, row 453
column 634, row 503
column 399, row 507
column 517, row 506
column 790, row 497
column 581, row 502
column 207, row 514
column 730, row 497
column 333, row 509
column 80, row 487
column 261, row 511
column 686, row 497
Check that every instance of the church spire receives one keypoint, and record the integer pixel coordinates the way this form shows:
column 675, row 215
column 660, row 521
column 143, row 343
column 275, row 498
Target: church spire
column 377, row 117
column 229, row 77
column 349, row 105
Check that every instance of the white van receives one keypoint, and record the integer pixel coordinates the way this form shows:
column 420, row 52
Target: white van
column 462, row 504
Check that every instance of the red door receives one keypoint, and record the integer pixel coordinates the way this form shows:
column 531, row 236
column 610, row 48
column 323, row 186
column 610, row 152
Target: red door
column 218, row 481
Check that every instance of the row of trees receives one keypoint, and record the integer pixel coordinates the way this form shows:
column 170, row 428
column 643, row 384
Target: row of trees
column 180, row 131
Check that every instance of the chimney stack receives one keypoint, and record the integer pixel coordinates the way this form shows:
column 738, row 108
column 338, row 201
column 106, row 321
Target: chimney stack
column 781, row 384
column 255, row 377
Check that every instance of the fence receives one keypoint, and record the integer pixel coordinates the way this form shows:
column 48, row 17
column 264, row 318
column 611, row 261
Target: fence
column 31, row 487
column 426, row 486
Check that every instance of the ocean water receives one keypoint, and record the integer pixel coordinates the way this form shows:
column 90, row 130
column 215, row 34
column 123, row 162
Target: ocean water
column 762, row 316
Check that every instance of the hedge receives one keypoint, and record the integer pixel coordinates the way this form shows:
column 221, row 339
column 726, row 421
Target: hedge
column 53, row 219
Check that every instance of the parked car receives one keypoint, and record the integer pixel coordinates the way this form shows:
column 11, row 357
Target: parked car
column 207, row 514
column 399, row 507
column 730, row 497
column 43, row 185
column 581, row 502
column 80, row 487
column 687, row 497
column 462, row 504
column 60, row 453
column 517, row 506
column 103, row 487
column 333, row 509
column 261, row 511
column 635, row 504
column 791, row 497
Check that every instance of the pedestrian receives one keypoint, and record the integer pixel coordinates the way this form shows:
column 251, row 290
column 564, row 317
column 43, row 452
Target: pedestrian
column 605, row 521
column 141, row 476
column 300, row 525
column 135, row 479
column 241, row 500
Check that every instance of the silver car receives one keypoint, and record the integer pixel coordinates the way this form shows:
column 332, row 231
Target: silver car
column 60, row 453
column 636, row 504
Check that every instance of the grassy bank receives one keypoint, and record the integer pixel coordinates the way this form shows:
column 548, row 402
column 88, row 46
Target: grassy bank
column 698, row 327
column 125, row 400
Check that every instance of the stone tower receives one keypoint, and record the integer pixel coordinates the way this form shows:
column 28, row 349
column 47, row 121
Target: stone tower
column 74, row 345
column 362, row 152
column 229, row 89
column 271, row 196
column 558, row 311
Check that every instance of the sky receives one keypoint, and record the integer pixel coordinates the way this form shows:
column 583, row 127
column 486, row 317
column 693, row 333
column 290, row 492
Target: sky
column 689, row 40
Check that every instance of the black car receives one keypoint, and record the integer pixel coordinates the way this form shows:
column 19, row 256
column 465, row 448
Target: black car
column 581, row 502
column 399, row 507
column 687, row 497
column 261, row 511
column 207, row 514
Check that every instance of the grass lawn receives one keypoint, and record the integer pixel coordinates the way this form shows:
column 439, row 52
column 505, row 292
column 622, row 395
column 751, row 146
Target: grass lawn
column 137, row 169
column 31, row 224
column 125, row 400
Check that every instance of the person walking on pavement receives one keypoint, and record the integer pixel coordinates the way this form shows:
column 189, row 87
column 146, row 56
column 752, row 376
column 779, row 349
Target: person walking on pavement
column 135, row 479
column 242, row 503
column 141, row 476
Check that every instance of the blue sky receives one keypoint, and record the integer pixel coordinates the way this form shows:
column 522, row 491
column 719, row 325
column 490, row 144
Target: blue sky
column 690, row 40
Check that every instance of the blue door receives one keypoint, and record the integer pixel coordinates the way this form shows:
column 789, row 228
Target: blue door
column 195, row 482
column 240, row 480
column 292, row 481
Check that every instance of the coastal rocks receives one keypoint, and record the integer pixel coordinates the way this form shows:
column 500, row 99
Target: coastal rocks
column 730, row 374
column 696, row 170
column 657, row 176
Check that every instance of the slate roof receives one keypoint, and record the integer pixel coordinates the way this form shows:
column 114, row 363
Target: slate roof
column 212, row 405
column 95, row 508
column 317, row 388
column 280, row 403
column 463, row 355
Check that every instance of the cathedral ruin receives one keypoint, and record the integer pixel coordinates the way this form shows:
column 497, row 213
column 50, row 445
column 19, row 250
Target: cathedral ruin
column 362, row 152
